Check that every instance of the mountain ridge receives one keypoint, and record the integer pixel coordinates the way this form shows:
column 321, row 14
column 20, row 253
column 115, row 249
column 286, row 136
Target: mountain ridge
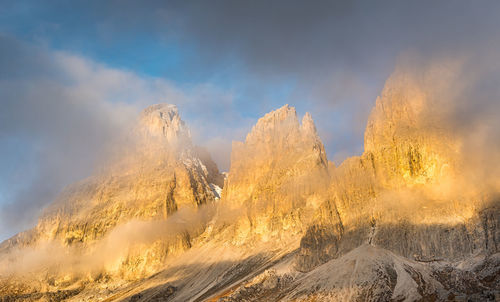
column 398, row 222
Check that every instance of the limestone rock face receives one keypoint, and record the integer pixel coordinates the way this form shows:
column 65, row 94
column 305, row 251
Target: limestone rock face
column 276, row 173
column 157, row 173
column 163, row 121
column 407, row 192
column 278, row 148
column 405, row 140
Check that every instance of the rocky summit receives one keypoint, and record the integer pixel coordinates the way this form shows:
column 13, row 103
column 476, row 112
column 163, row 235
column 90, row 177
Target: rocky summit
column 401, row 222
column 158, row 173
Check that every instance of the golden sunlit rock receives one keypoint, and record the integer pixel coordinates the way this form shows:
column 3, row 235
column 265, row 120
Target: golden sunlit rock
column 157, row 174
column 279, row 168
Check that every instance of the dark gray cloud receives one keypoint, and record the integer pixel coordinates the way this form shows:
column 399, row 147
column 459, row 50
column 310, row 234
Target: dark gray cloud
column 311, row 39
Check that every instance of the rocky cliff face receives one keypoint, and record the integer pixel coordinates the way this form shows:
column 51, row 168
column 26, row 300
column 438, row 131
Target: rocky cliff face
column 277, row 175
column 278, row 150
column 405, row 139
column 156, row 173
column 407, row 192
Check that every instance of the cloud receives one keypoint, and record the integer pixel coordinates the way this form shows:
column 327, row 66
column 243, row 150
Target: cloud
column 312, row 39
column 113, row 251
column 275, row 38
column 336, row 55
column 59, row 108
column 215, row 120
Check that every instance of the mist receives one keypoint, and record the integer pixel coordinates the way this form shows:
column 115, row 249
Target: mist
column 110, row 253
column 463, row 100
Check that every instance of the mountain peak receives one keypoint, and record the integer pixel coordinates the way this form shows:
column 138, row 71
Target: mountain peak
column 406, row 135
column 277, row 150
column 274, row 125
column 308, row 125
column 281, row 127
column 163, row 121
column 163, row 107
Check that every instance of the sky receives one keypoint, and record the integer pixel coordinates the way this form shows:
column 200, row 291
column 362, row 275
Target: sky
column 73, row 74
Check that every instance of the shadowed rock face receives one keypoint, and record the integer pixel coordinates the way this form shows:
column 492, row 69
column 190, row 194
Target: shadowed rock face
column 370, row 273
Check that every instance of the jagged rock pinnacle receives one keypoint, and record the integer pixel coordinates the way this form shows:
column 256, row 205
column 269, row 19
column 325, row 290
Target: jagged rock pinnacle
column 278, row 154
column 308, row 124
column 163, row 121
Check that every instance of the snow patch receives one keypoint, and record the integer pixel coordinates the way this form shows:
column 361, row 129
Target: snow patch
column 216, row 190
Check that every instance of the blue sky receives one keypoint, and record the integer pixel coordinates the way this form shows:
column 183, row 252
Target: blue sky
column 73, row 72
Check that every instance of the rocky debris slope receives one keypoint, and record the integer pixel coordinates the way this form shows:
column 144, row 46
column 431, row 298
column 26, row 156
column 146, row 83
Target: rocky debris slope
column 369, row 273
